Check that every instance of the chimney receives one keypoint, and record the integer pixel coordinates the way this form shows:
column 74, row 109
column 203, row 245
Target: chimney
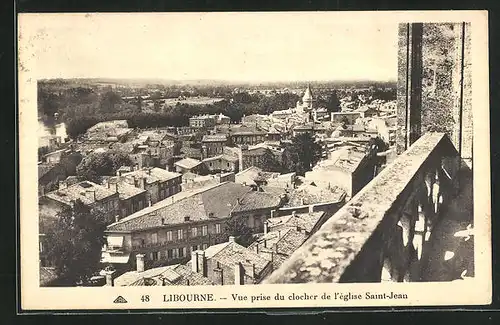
column 90, row 195
column 252, row 270
column 311, row 208
column 117, row 218
column 294, row 214
column 279, row 234
column 110, row 281
column 118, row 172
column 202, row 263
column 266, row 227
column 265, row 243
column 194, row 262
column 257, row 248
column 186, row 218
column 231, row 239
column 238, row 273
column 140, row 262
column 143, row 183
column 273, row 213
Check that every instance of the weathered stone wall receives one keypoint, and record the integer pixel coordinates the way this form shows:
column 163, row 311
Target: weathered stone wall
column 355, row 243
column 434, row 83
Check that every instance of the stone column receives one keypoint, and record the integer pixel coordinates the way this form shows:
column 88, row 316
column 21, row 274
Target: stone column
column 434, row 84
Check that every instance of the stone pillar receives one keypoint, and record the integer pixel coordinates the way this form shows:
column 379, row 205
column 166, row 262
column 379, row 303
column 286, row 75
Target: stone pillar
column 434, row 84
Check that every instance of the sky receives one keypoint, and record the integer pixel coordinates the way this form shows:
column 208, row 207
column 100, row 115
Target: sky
column 215, row 46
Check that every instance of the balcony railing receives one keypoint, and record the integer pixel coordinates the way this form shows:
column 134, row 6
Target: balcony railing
column 382, row 233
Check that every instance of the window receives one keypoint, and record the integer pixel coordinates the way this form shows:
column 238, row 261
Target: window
column 194, row 248
column 175, row 253
column 204, row 230
column 154, row 238
column 140, row 205
column 194, row 232
column 169, row 235
column 170, row 253
column 217, row 228
column 227, row 164
column 180, row 234
column 182, row 251
column 154, row 256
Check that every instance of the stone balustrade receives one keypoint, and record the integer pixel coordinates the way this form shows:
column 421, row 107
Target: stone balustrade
column 382, row 233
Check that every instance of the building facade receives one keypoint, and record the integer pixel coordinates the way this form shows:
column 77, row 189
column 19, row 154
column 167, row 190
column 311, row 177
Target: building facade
column 168, row 232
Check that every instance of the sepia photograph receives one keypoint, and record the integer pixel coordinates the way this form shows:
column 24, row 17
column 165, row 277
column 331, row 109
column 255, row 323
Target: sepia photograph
column 225, row 160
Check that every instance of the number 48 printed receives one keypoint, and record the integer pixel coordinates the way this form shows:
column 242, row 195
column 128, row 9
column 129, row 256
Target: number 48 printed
column 145, row 298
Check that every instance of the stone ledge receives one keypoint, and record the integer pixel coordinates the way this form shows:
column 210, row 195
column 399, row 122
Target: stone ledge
column 330, row 251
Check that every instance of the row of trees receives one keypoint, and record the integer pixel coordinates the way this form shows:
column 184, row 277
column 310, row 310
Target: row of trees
column 81, row 108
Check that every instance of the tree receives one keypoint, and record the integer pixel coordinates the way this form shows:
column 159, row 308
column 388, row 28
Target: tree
column 95, row 165
column 238, row 228
column 108, row 102
column 74, row 242
column 302, row 154
column 270, row 162
column 333, row 103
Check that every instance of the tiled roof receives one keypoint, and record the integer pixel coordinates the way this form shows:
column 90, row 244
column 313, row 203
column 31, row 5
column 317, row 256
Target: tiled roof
column 152, row 174
column 256, row 151
column 305, row 221
column 252, row 174
column 214, row 138
column 125, row 190
column 212, row 203
column 153, row 135
column 311, row 194
column 273, row 190
column 257, row 200
column 177, row 274
column 243, row 130
column 188, row 163
column 82, row 191
column 233, row 253
column 282, row 243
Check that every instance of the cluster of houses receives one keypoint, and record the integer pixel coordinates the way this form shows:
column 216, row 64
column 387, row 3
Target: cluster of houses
column 168, row 213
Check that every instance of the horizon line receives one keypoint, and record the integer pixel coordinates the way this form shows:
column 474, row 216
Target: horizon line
column 217, row 80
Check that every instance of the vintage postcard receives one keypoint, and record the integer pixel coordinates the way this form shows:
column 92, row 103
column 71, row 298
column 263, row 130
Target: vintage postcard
column 254, row 160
